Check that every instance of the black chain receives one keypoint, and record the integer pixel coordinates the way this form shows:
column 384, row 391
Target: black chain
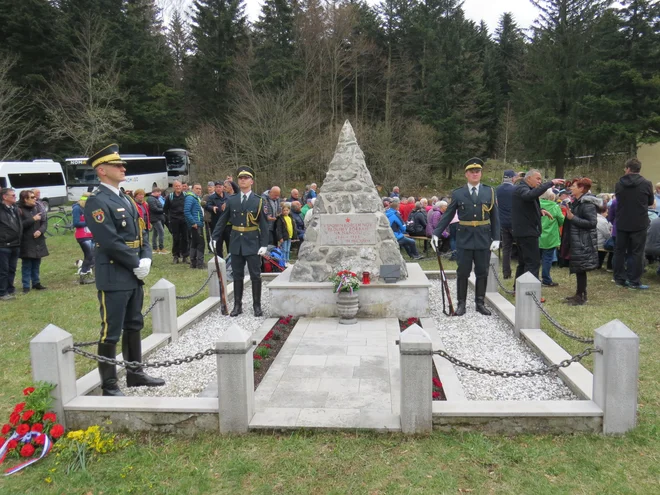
column 85, row 344
column 136, row 364
column 499, row 282
column 519, row 374
column 156, row 301
column 199, row 290
column 556, row 324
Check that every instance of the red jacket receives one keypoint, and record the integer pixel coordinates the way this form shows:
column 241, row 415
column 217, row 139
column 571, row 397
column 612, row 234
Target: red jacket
column 405, row 210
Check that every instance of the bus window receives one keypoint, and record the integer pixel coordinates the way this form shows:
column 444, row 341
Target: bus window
column 177, row 162
column 44, row 179
column 3, row 182
column 141, row 166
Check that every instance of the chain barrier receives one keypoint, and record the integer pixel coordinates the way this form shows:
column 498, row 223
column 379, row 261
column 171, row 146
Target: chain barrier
column 156, row 301
column 556, row 324
column 136, row 364
column 519, row 374
column 499, row 282
column 199, row 290
column 85, row 344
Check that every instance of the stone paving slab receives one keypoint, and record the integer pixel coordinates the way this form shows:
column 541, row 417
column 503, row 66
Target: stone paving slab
column 329, row 375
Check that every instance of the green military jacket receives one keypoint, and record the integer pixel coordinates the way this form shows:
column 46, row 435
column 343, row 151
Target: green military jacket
column 249, row 226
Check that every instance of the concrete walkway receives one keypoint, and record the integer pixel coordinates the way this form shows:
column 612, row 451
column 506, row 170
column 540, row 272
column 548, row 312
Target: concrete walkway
column 329, row 375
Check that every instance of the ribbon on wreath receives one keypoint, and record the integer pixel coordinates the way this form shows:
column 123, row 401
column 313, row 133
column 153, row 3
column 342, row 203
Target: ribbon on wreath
column 27, row 438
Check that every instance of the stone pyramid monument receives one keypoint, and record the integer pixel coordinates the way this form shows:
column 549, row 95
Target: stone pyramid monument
column 349, row 229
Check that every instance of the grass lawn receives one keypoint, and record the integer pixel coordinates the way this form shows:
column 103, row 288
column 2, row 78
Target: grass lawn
column 342, row 463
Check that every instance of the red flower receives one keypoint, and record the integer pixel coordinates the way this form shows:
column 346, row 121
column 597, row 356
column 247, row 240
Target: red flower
column 49, row 416
column 12, row 444
column 38, row 427
column 2, row 441
column 40, row 440
column 257, row 357
column 19, row 407
column 28, row 414
column 436, row 395
column 14, row 418
column 437, row 382
column 266, row 345
column 57, row 431
column 22, row 429
column 28, row 391
column 6, row 429
column 269, row 335
column 27, row 450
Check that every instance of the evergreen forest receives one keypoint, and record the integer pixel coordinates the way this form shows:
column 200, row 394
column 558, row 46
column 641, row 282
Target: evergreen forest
column 424, row 87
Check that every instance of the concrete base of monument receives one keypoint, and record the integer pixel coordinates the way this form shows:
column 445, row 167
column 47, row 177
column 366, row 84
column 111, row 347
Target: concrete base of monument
column 403, row 299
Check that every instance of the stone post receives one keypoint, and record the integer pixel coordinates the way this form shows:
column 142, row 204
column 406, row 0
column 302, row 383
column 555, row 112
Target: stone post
column 492, row 286
column 235, row 380
column 528, row 314
column 50, row 364
column 163, row 316
column 214, row 287
column 416, row 381
column 616, row 371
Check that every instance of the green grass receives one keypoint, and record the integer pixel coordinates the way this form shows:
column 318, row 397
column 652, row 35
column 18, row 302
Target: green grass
column 343, row 463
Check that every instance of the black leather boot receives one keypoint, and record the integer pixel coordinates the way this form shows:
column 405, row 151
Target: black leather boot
column 461, row 289
column 108, row 371
column 238, row 298
column 480, row 296
column 256, row 297
column 131, row 347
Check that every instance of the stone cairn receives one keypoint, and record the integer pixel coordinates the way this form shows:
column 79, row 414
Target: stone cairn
column 348, row 189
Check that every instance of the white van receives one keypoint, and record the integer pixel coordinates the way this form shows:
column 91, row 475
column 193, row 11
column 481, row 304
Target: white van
column 45, row 175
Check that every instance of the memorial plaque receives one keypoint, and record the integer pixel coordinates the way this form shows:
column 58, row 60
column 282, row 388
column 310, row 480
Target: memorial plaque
column 348, row 230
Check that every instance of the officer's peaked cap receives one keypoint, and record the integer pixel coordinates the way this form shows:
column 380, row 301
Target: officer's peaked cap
column 474, row 163
column 109, row 154
column 245, row 170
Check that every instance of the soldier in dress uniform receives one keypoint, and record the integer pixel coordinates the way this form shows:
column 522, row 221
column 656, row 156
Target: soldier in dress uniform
column 249, row 238
column 122, row 261
column 478, row 231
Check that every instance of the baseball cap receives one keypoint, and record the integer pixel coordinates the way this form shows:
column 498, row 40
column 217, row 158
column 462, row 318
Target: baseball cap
column 509, row 174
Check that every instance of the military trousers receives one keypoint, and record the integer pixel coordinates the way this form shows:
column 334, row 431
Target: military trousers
column 480, row 258
column 238, row 266
column 120, row 309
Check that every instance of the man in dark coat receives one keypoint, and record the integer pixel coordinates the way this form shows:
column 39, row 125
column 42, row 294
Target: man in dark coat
column 634, row 194
column 122, row 262
column 215, row 203
column 249, row 238
column 173, row 210
column 477, row 234
column 11, row 230
column 504, row 193
column 526, row 215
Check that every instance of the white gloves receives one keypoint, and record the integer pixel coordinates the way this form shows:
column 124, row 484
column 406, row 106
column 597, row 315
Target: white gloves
column 262, row 251
column 434, row 242
column 142, row 270
column 212, row 245
column 495, row 245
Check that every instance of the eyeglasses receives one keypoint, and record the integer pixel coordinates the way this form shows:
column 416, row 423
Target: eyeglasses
column 31, row 197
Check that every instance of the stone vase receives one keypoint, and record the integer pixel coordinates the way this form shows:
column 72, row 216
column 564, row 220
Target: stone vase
column 347, row 307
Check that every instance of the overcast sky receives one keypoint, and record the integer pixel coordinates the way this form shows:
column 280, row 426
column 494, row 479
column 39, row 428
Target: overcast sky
column 488, row 10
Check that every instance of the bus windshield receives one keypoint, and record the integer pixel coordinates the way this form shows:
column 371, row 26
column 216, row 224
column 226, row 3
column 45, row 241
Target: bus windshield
column 177, row 162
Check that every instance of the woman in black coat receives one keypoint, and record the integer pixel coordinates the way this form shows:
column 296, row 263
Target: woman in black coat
column 33, row 242
column 582, row 237
column 418, row 217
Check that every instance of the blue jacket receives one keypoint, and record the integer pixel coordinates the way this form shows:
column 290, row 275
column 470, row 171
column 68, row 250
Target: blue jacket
column 192, row 210
column 76, row 212
column 504, row 193
column 396, row 223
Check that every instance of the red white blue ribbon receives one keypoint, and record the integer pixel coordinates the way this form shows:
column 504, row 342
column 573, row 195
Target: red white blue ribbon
column 27, row 438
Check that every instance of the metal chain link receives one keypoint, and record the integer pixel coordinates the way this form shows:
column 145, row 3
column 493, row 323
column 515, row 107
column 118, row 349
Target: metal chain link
column 85, row 344
column 556, row 324
column 519, row 374
column 199, row 290
column 499, row 282
column 156, row 301
column 137, row 364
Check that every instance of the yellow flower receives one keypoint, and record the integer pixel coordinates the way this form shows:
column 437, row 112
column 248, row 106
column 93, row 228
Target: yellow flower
column 48, row 480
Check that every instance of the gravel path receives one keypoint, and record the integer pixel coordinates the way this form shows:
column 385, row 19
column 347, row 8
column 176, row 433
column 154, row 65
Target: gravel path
column 488, row 341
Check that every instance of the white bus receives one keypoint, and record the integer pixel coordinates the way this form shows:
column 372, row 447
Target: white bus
column 142, row 172
column 178, row 164
column 45, row 175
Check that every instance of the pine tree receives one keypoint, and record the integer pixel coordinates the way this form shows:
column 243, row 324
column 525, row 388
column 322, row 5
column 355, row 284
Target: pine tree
column 178, row 39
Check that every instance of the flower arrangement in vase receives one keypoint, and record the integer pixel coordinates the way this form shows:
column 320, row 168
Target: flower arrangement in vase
column 346, row 285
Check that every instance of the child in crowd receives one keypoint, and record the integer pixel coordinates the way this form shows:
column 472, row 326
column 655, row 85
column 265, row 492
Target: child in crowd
column 285, row 230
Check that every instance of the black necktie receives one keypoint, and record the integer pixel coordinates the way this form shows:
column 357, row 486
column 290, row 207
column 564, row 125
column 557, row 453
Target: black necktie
column 125, row 198
column 474, row 194
column 243, row 201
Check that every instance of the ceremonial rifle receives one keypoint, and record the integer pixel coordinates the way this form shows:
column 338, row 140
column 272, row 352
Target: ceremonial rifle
column 445, row 288
column 223, row 298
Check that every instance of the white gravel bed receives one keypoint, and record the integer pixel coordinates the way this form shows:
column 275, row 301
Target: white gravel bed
column 489, row 342
column 190, row 379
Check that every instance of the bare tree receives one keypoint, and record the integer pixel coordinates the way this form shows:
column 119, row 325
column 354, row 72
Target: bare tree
column 15, row 124
column 208, row 153
column 83, row 103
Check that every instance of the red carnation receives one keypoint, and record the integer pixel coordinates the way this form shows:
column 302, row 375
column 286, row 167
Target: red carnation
column 6, row 429
column 12, row 444
column 28, row 414
column 57, row 431
column 49, row 416
column 19, row 407
column 2, row 441
column 27, row 450
column 40, row 440
column 22, row 429
column 257, row 357
column 14, row 418
column 267, row 345
column 38, row 427
column 28, row 391
column 436, row 395
column 437, row 382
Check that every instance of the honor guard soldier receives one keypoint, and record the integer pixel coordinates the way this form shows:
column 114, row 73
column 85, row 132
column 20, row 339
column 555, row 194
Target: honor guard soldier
column 122, row 261
column 478, row 231
column 249, row 238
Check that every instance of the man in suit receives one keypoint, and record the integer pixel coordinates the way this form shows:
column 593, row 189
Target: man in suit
column 122, row 262
column 478, row 231
column 249, row 238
